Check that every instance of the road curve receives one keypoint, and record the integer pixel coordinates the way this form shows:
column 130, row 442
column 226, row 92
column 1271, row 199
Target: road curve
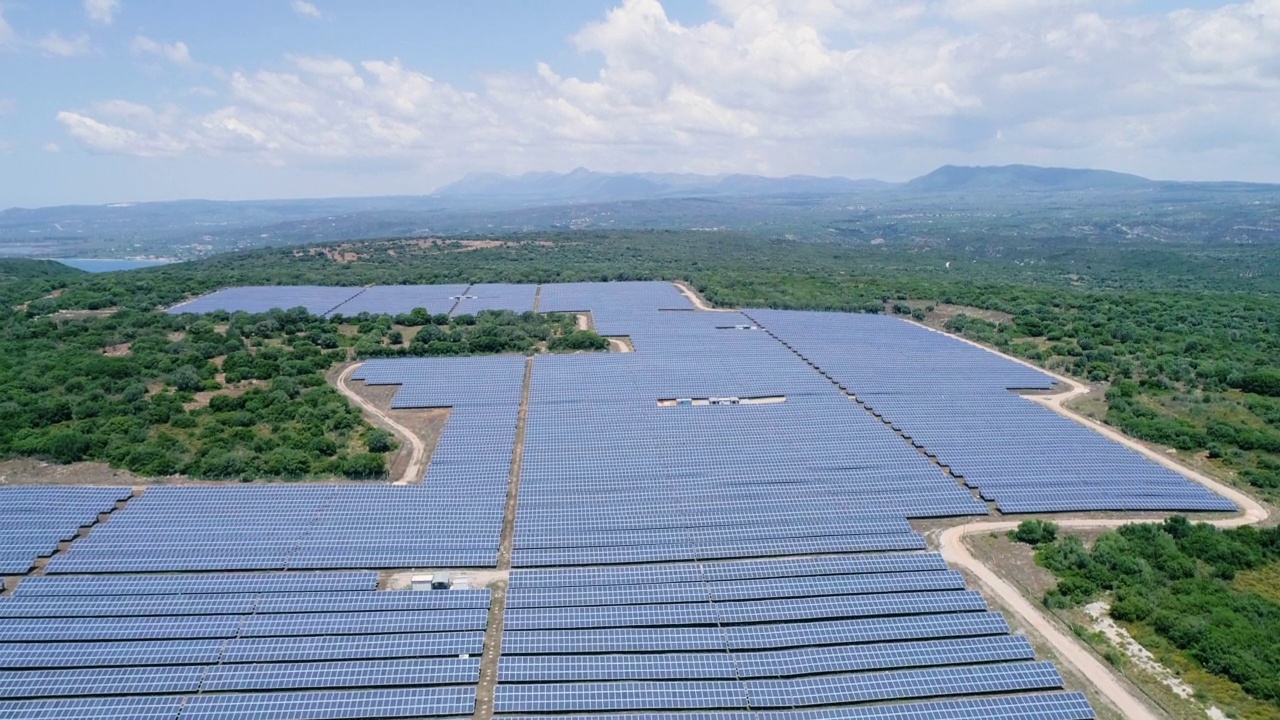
column 956, row 552
column 417, row 459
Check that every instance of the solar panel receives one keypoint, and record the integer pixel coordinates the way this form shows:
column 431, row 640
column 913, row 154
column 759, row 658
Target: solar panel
column 328, row 675
column 1031, row 706
column 129, row 708
column 722, row 665
column 748, row 637
column 365, row 704
column 103, row 681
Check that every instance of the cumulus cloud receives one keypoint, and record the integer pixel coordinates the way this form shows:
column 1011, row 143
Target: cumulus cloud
column 828, row 86
column 306, row 9
column 59, row 46
column 125, row 128
column 175, row 52
column 102, row 11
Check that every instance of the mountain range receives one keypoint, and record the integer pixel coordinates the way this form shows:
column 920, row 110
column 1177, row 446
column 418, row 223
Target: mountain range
column 799, row 205
column 583, row 185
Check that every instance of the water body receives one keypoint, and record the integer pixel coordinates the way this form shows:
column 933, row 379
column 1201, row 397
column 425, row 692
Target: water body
column 99, row 265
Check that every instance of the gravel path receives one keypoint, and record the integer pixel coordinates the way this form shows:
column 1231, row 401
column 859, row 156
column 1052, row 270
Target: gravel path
column 417, row 460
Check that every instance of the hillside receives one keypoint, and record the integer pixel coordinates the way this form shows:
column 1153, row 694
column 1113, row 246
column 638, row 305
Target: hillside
column 30, row 269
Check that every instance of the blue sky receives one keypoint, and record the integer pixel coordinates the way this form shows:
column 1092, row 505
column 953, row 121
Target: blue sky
column 127, row 100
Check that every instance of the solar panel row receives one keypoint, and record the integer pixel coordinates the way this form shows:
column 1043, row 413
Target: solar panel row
column 34, row 520
column 1032, row 706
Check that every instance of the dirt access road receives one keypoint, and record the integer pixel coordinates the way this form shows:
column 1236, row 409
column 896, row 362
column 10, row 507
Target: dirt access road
column 697, row 300
column 417, row 459
column 956, row 551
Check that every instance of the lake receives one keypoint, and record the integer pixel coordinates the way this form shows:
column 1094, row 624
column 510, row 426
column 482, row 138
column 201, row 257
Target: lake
column 98, row 265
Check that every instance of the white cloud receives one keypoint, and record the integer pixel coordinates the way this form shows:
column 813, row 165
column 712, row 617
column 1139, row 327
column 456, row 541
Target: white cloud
column 7, row 35
column 146, row 136
column 175, row 52
column 8, row 106
column 855, row 87
column 102, row 11
column 306, row 9
column 57, row 45
column 52, row 148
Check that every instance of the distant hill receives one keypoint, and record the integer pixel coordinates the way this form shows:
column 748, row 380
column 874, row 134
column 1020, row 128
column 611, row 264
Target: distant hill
column 1024, row 178
column 584, row 185
column 26, row 269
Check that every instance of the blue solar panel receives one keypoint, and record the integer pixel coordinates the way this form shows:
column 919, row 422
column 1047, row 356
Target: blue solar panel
column 46, row 585
column 367, row 705
column 127, row 708
column 1032, row 706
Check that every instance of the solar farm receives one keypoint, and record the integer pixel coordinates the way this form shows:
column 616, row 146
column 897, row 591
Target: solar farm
column 716, row 526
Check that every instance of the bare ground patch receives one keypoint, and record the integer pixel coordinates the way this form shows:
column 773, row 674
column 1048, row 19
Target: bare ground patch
column 69, row 315
column 120, row 350
column 1092, row 405
column 942, row 313
column 408, row 332
column 235, row 390
column 29, row 471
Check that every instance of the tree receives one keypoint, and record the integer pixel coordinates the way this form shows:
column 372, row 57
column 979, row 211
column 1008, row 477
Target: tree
column 365, row 466
column 378, row 440
column 186, row 379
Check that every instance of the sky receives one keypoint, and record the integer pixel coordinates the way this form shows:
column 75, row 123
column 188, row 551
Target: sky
column 134, row 100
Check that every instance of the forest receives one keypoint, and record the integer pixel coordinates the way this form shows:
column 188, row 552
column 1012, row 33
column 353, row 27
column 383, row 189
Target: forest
column 1186, row 583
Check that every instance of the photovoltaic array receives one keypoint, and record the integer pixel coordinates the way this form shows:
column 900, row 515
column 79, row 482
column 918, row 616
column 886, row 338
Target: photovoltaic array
column 611, row 476
column 401, row 299
column 517, row 298
column 289, row 528
column 282, row 647
column 710, row 525
column 952, row 399
column 316, row 299
column 34, row 520
column 849, row 630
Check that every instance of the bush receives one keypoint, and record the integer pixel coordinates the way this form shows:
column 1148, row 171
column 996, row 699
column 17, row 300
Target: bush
column 578, row 340
column 365, row 466
column 1035, row 532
